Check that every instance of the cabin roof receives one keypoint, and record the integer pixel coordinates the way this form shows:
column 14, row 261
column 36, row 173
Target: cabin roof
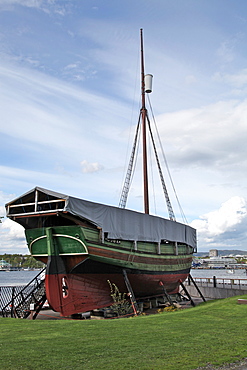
column 118, row 223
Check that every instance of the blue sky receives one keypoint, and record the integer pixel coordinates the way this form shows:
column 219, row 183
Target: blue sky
column 70, row 100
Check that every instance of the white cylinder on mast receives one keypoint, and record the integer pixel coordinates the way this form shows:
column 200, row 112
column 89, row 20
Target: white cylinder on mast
column 148, row 83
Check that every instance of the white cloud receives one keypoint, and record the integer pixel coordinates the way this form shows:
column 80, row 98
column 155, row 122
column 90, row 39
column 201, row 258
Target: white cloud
column 12, row 238
column 47, row 6
column 237, row 80
column 27, row 3
column 224, row 225
column 225, row 51
column 52, row 115
column 214, row 135
column 4, row 198
column 14, row 230
column 2, row 211
column 91, row 167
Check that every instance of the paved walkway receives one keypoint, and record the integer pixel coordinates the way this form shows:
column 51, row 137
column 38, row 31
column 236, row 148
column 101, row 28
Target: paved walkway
column 48, row 314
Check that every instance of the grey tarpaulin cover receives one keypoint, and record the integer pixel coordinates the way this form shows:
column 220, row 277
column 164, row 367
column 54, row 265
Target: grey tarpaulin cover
column 123, row 223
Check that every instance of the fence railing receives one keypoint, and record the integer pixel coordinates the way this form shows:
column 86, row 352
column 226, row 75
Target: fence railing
column 11, row 296
column 7, row 294
column 219, row 282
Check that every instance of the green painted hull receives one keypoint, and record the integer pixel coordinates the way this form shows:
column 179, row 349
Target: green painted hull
column 76, row 242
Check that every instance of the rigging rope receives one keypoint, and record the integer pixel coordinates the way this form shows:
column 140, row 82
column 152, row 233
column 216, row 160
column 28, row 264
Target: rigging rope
column 129, row 174
column 132, row 164
column 168, row 203
column 166, row 164
column 152, row 178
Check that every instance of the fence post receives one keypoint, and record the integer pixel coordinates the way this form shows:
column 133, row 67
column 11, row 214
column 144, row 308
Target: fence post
column 12, row 302
column 214, row 281
column 189, row 280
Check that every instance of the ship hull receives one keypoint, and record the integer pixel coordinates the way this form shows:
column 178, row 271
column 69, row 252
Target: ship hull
column 87, row 286
column 79, row 271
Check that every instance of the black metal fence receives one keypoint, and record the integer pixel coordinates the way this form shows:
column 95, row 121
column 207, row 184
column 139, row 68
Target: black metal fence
column 12, row 296
column 220, row 282
column 7, row 294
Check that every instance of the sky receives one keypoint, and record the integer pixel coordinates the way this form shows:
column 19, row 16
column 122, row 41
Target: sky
column 70, row 101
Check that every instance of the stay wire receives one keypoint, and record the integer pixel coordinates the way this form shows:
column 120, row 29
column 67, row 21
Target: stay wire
column 152, row 178
column 166, row 164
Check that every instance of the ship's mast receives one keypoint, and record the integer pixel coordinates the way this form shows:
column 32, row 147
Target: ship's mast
column 144, row 122
column 144, row 138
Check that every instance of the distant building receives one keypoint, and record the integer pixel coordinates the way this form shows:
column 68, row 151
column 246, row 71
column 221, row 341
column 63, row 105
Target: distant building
column 4, row 265
column 221, row 262
column 213, row 253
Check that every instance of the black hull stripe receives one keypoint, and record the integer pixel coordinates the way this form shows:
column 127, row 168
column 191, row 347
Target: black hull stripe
column 94, row 267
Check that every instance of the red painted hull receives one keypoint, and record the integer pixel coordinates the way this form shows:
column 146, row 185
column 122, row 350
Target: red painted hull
column 80, row 292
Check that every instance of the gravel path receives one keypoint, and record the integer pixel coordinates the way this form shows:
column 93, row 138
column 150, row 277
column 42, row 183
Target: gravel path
column 240, row 365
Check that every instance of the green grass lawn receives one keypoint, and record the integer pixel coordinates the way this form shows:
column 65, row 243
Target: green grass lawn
column 213, row 332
